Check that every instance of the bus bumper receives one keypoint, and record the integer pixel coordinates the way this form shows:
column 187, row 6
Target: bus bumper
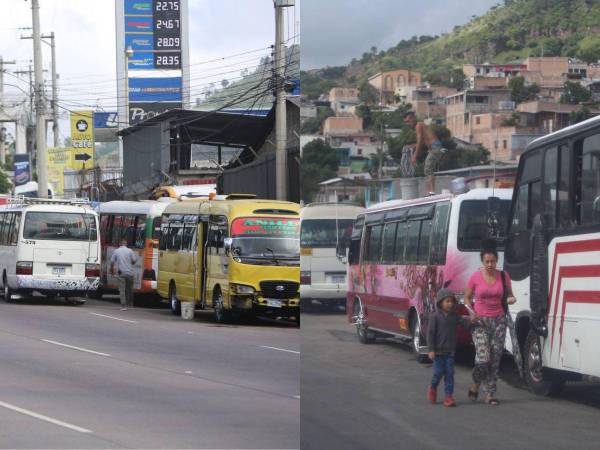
column 66, row 284
column 266, row 307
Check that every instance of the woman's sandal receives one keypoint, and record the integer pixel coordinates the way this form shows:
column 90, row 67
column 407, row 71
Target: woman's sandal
column 473, row 395
column 492, row 401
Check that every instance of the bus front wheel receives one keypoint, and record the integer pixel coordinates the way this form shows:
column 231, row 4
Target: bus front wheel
column 540, row 382
column 173, row 302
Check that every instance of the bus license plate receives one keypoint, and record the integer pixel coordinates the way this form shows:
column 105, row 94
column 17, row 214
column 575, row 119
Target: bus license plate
column 274, row 303
column 58, row 270
column 340, row 279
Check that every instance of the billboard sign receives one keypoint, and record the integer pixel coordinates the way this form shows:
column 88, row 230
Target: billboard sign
column 138, row 112
column 22, row 169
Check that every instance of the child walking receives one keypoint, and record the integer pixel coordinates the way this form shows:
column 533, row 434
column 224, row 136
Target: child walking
column 441, row 338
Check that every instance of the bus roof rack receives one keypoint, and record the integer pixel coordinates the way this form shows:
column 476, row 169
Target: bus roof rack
column 22, row 200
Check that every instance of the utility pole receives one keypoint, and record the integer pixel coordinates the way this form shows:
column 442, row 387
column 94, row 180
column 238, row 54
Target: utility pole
column 55, row 132
column 281, row 168
column 2, row 63
column 29, row 73
column 40, row 107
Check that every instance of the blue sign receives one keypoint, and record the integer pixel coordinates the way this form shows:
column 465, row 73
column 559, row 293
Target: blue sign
column 141, row 60
column 138, row 7
column 105, row 120
column 139, row 42
column 22, row 169
column 138, row 25
column 155, row 89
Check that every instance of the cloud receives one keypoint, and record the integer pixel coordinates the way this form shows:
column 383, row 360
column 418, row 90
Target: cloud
column 335, row 31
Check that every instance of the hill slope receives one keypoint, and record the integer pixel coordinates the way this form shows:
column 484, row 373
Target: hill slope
column 514, row 30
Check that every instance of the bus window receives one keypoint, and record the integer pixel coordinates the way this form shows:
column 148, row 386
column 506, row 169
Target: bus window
column 564, row 206
column 439, row 236
column 424, row 241
column 3, row 217
column 14, row 231
column 590, row 181
column 550, row 184
column 189, row 234
column 140, row 232
column 164, row 232
column 320, row 233
column 116, row 228
column 411, row 252
column 473, row 223
column 175, row 234
column 356, row 238
column 400, row 239
column 389, row 238
column 373, row 250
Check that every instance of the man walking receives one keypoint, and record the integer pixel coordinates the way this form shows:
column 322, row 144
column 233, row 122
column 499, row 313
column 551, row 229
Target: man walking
column 426, row 138
column 124, row 258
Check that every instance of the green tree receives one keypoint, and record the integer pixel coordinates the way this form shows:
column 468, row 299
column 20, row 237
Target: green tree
column 318, row 163
column 575, row 93
column 589, row 49
column 5, row 184
column 520, row 92
column 368, row 94
column 364, row 111
column 579, row 116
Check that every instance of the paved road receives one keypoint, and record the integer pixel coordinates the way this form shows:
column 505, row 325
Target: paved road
column 78, row 377
column 363, row 397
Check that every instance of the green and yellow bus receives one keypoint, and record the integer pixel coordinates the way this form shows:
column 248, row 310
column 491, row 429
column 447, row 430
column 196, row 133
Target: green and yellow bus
column 234, row 254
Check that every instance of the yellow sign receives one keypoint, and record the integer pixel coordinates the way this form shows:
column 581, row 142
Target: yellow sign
column 59, row 159
column 82, row 138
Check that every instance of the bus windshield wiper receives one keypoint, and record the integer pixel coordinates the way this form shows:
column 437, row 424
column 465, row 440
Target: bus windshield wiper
column 267, row 249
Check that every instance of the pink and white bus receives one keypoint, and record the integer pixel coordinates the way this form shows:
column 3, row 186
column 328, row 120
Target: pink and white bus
column 402, row 252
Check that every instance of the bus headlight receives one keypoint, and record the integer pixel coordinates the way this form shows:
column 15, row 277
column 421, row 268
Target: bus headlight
column 242, row 289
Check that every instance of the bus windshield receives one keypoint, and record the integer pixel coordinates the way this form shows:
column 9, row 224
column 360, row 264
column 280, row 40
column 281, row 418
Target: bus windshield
column 60, row 226
column 321, row 233
column 266, row 239
column 473, row 223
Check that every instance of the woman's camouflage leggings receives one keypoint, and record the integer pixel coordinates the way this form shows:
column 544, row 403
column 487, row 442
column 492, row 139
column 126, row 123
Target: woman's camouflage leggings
column 488, row 339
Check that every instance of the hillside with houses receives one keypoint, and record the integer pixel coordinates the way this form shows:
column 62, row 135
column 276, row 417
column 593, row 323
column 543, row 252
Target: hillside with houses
column 488, row 104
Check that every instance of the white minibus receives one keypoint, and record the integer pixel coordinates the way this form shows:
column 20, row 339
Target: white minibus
column 50, row 247
column 325, row 230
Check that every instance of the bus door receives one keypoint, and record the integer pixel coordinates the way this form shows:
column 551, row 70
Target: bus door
column 202, row 259
column 217, row 267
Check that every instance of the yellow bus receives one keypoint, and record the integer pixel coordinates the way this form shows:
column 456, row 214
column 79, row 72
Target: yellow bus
column 234, row 254
column 182, row 191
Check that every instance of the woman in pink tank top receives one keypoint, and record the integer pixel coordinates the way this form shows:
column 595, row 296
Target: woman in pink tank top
column 486, row 288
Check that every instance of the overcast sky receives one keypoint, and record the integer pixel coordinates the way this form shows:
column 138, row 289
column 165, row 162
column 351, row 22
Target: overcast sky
column 85, row 39
column 335, row 31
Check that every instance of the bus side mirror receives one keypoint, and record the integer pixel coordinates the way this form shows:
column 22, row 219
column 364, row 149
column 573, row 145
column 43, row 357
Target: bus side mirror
column 227, row 242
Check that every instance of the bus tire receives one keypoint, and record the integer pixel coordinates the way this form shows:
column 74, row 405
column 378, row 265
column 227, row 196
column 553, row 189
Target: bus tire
column 7, row 290
column 222, row 315
column 416, row 339
column 541, row 382
column 174, row 304
column 365, row 336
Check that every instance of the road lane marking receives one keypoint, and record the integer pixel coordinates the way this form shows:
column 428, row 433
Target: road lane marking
column 114, row 318
column 60, row 423
column 280, row 349
column 75, row 348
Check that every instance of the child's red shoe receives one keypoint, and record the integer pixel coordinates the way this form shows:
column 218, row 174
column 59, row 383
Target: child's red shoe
column 449, row 401
column 432, row 394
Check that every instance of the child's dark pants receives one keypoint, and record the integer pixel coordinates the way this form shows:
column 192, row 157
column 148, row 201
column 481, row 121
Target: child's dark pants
column 443, row 366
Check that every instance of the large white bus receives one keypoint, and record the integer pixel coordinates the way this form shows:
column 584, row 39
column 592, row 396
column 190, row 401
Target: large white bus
column 553, row 257
column 139, row 223
column 403, row 251
column 50, row 247
column 325, row 230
